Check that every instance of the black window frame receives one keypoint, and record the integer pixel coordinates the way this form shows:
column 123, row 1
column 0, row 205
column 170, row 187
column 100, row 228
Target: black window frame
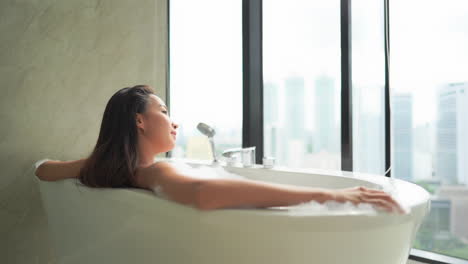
column 252, row 74
column 252, row 130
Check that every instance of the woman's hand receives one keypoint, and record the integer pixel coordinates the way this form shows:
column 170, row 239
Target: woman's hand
column 362, row 194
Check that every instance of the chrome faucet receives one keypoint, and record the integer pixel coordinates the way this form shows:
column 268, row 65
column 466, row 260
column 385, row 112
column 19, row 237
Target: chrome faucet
column 247, row 156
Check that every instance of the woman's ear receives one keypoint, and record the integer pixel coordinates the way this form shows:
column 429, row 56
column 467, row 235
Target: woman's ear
column 140, row 121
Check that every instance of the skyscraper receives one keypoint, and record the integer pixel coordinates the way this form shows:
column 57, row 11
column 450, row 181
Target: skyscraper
column 452, row 130
column 294, row 105
column 368, row 129
column 424, row 151
column 324, row 111
column 271, row 119
column 294, row 120
column 402, row 141
column 270, row 103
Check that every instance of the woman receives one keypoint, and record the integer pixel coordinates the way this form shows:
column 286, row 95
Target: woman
column 136, row 126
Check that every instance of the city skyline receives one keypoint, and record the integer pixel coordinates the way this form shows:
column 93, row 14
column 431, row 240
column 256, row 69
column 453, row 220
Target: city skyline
column 301, row 42
column 312, row 51
column 304, row 139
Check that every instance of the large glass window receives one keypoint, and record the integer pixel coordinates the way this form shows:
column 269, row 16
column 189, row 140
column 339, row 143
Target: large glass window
column 429, row 102
column 206, row 74
column 368, row 84
column 302, row 82
column 302, row 88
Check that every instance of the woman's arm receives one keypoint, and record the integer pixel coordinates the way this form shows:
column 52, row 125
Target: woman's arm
column 54, row 170
column 225, row 193
column 208, row 194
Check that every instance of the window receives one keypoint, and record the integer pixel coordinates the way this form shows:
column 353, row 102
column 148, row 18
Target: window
column 429, row 63
column 205, row 74
column 301, row 73
column 301, row 45
column 368, row 83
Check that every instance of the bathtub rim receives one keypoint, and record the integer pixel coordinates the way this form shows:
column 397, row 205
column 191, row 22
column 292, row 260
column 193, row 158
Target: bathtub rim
column 375, row 179
column 423, row 203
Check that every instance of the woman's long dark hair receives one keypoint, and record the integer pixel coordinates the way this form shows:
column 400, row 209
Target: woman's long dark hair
column 114, row 159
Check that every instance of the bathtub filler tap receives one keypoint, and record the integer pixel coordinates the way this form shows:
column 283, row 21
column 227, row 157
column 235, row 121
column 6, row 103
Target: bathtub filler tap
column 247, row 156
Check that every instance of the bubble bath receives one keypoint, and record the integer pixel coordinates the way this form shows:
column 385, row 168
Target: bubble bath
column 307, row 208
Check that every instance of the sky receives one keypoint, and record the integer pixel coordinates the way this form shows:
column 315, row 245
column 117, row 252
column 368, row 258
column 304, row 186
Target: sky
column 302, row 37
column 206, row 63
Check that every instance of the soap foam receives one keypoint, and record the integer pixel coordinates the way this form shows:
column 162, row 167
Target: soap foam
column 331, row 208
column 347, row 208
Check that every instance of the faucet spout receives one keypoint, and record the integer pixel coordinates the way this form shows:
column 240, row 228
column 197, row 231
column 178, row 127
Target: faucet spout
column 247, row 155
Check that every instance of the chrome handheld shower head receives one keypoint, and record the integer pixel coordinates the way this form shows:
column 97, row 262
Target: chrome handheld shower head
column 209, row 132
column 206, row 130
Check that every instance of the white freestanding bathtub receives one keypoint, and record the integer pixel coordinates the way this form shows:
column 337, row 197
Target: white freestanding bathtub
column 135, row 226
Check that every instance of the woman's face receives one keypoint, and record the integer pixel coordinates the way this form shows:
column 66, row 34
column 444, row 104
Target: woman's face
column 155, row 127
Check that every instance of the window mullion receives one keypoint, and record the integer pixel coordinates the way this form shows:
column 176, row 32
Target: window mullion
column 346, row 88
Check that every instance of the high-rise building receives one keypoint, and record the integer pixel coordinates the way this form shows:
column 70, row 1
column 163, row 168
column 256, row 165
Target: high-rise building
column 294, row 128
column 451, row 134
column 423, row 151
column 270, row 103
column 368, row 130
column 327, row 136
column 271, row 119
column 402, row 140
column 294, row 107
column 458, row 209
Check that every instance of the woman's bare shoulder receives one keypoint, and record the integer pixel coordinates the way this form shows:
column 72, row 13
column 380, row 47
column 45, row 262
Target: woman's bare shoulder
column 163, row 172
column 53, row 170
column 161, row 164
column 159, row 168
column 148, row 176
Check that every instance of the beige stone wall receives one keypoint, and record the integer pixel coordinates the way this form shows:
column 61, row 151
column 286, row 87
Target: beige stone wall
column 60, row 61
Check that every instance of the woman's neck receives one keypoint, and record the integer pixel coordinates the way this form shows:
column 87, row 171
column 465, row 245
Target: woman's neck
column 145, row 157
column 145, row 161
